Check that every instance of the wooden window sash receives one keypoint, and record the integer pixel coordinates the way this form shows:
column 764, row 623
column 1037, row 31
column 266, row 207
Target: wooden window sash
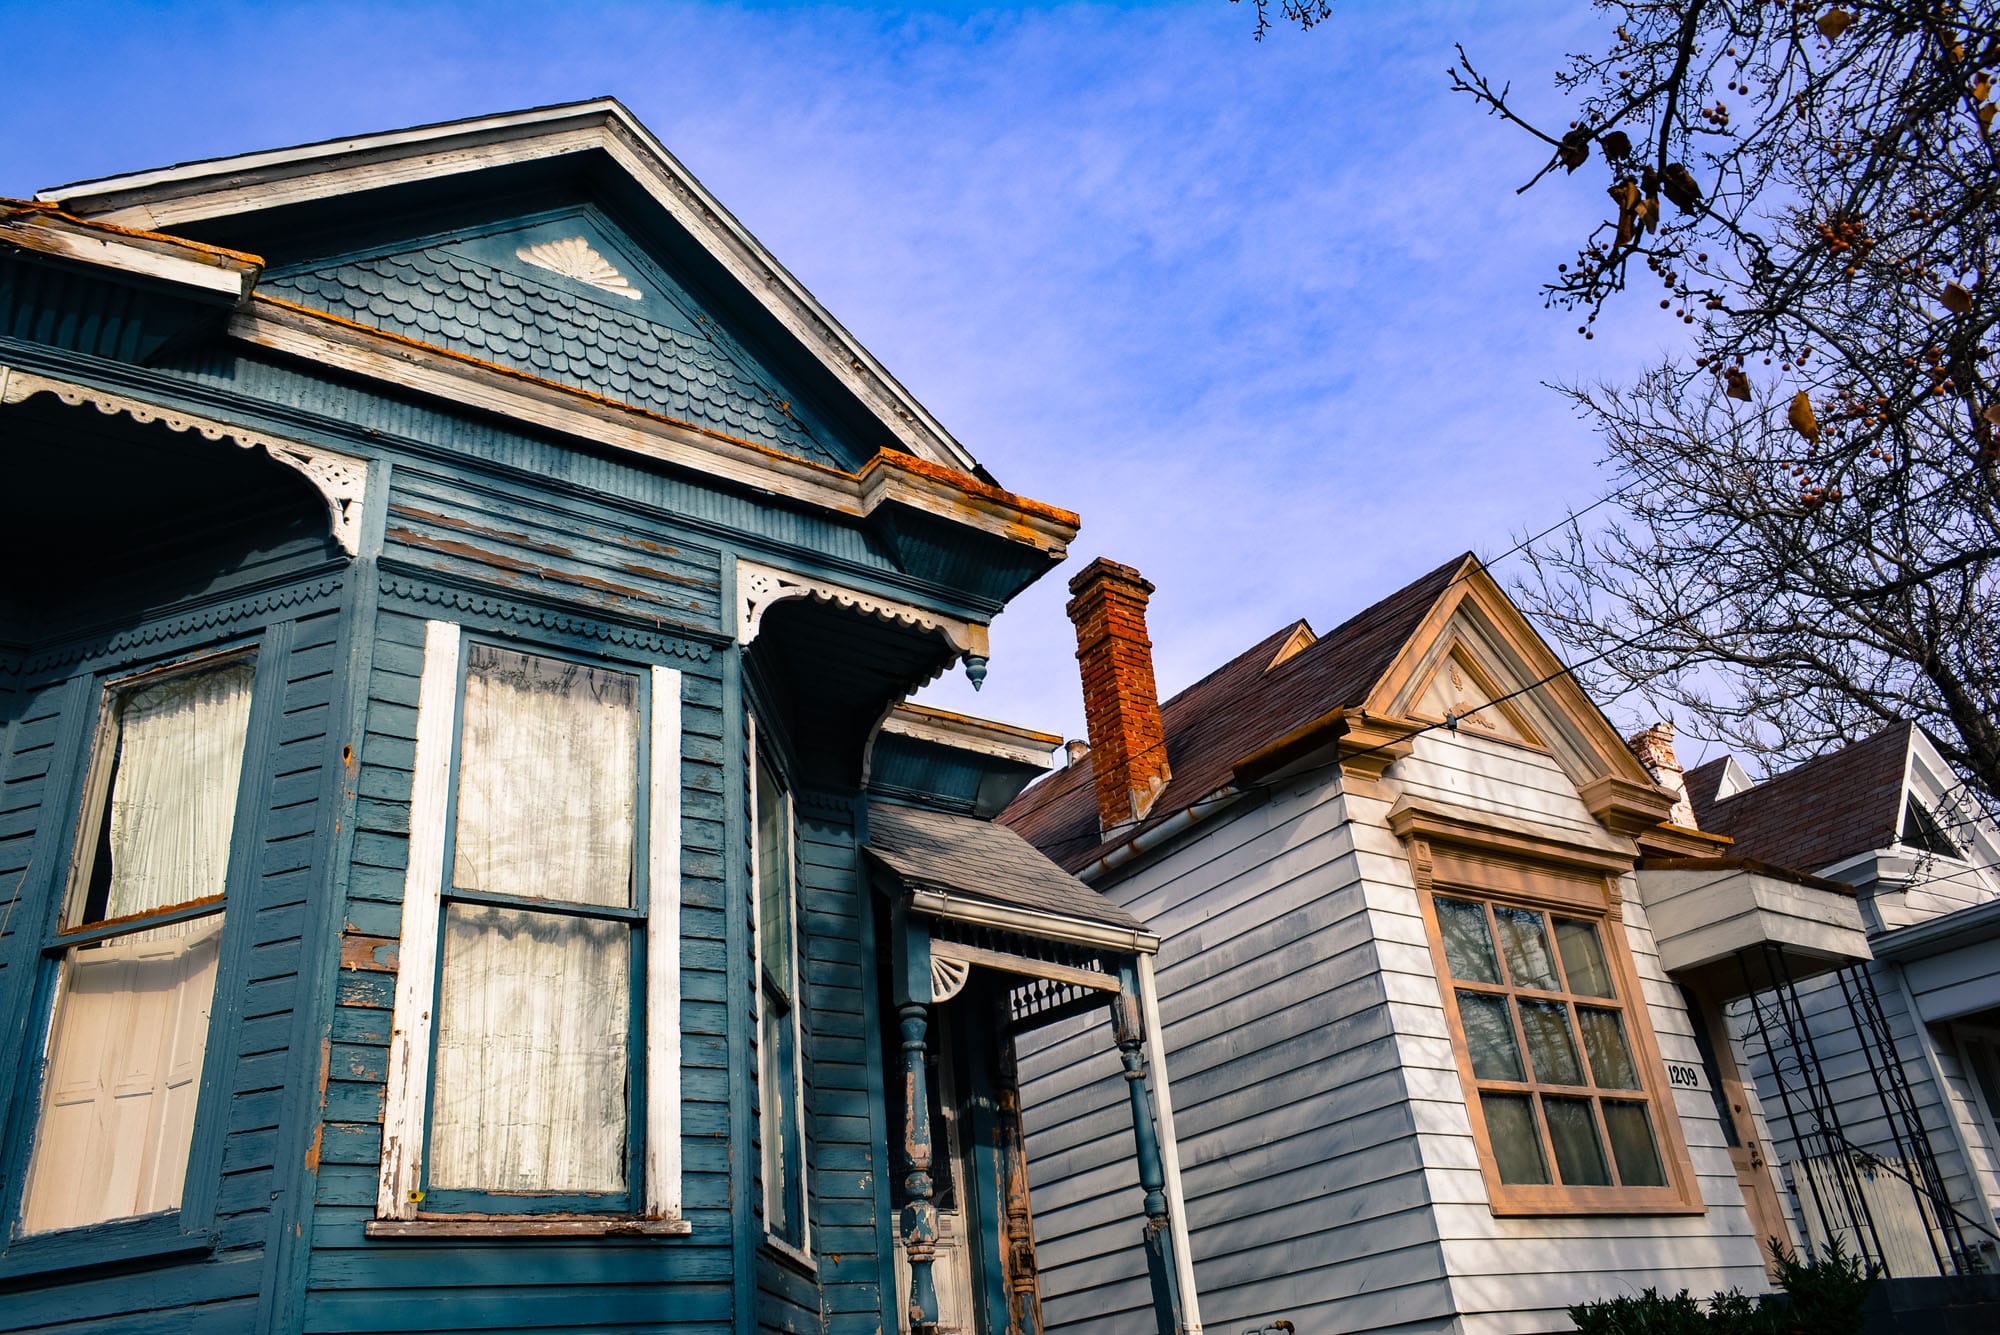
column 765, row 989
column 399, row 1190
column 1470, row 875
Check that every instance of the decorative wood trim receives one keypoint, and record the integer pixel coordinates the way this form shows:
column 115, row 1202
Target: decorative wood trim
column 1477, row 830
column 1367, row 744
column 759, row 587
column 576, row 259
column 950, row 952
column 215, row 617
column 948, row 976
column 1029, row 922
column 1626, row 806
column 434, row 594
column 340, row 479
column 1678, row 841
column 400, row 1188
column 330, row 341
column 663, row 950
column 1597, row 898
column 208, row 269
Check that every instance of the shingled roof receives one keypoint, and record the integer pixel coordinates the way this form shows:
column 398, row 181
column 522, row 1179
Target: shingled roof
column 1241, row 706
column 1816, row 814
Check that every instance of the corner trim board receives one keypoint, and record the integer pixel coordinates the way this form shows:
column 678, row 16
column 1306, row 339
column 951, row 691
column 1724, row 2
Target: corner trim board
column 340, row 479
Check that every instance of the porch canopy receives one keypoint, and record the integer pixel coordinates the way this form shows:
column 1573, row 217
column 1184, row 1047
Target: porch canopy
column 972, row 902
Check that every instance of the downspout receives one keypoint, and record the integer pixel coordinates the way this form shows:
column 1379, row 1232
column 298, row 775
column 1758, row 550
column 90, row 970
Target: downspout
column 1170, row 1153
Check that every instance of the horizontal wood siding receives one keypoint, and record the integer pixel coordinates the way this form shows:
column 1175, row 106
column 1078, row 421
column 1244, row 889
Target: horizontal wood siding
column 354, row 1283
column 1845, row 1065
column 252, row 1035
column 1518, row 1274
column 1306, row 1194
column 586, row 555
column 844, row 1114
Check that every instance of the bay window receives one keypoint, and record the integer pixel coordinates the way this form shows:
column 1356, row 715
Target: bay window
column 137, row 947
column 535, row 1067
column 1569, row 1111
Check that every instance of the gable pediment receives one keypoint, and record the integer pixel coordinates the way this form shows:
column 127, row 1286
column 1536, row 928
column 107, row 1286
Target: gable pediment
column 571, row 299
column 1476, row 664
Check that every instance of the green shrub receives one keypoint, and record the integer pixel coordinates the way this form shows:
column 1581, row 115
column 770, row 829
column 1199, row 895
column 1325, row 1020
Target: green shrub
column 1821, row 1296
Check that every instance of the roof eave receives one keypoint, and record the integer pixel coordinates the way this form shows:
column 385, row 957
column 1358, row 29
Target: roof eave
column 219, row 187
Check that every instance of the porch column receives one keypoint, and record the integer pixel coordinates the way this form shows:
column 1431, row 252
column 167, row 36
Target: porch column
column 1024, row 1298
column 1127, row 1024
column 912, row 968
column 1170, row 1150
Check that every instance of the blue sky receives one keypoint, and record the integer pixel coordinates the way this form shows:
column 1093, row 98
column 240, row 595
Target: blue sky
column 1266, row 315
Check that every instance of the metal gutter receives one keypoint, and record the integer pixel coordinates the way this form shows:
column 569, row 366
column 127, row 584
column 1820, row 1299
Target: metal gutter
column 1220, row 800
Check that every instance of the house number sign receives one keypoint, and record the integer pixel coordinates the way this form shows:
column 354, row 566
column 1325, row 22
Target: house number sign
column 1687, row 1075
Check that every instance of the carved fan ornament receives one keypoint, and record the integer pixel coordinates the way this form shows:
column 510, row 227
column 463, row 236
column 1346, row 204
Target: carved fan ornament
column 947, row 977
column 573, row 257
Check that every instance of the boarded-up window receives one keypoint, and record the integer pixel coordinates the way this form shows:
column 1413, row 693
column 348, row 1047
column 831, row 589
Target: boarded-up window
column 137, row 950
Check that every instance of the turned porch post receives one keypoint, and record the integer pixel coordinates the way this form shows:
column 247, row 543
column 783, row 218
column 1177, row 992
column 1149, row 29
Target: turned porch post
column 912, row 966
column 1024, row 1296
column 1128, row 1028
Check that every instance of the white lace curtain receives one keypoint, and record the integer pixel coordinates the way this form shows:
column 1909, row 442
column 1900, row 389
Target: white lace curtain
column 173, row 794
column 532, row 1079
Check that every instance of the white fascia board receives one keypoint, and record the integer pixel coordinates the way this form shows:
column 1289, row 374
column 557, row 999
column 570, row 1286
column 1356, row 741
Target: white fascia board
column 130, row 255
column 962, row 732
column 1032, row 922
column 180, row 195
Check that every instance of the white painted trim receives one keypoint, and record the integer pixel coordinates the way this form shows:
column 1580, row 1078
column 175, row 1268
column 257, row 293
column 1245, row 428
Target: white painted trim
column 232, row 278
column 663, row 950
column 960, row 732
column 1949, row 1106
column 340, row 479
column 399, row 1191
column 1170, row 1150
column 759, row 586
column 1055, row 926
column 257, row 181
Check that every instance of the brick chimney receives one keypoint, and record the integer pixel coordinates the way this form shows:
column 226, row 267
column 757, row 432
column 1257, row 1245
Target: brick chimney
column 1655, row 749
column 1120, row 702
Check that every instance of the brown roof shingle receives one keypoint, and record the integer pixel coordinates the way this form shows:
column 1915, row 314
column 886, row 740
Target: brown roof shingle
column 1816, row 814
column 1231, row 712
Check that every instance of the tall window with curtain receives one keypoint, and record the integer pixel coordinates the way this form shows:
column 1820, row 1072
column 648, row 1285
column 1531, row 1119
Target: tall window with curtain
column 778, row 1024
column 1567, row 1104
column 533, row 1092
column 137, row 948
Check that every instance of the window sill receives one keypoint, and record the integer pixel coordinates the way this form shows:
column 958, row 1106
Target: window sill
column 791, row 1256
column 525, row 1226
column 153, row 1237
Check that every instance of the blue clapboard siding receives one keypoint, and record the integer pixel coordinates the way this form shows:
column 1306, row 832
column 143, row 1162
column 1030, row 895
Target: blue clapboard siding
column 359, row 1284
column 250, row 1046
column 587, row 555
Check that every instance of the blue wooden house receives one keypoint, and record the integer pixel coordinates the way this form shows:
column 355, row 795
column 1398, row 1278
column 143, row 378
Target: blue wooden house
column 463, row 865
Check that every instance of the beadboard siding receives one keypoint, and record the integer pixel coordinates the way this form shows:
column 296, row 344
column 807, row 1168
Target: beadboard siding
column 353, row 1283
column 585, row 554
column 1518, row 1274
column 252, row 1031
column 1845, row 1066
column 1290, row 1110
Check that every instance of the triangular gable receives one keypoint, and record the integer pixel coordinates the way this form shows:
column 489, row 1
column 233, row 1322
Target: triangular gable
column 1508, row 674
column 216, row 197
column 569, row 297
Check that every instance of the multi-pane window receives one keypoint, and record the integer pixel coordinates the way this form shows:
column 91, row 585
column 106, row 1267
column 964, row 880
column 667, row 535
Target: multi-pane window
column 1550, row 1044
column 137, row 948
column 778, row 1025
column 539, row 982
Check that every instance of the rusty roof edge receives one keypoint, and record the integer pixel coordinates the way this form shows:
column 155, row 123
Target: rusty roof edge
column 168, row 259
column 935, row 488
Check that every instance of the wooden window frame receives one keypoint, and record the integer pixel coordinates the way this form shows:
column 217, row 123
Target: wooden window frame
column 762, row 760
column 1584, row 887
column 189, row 1227
column 652, row 1199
